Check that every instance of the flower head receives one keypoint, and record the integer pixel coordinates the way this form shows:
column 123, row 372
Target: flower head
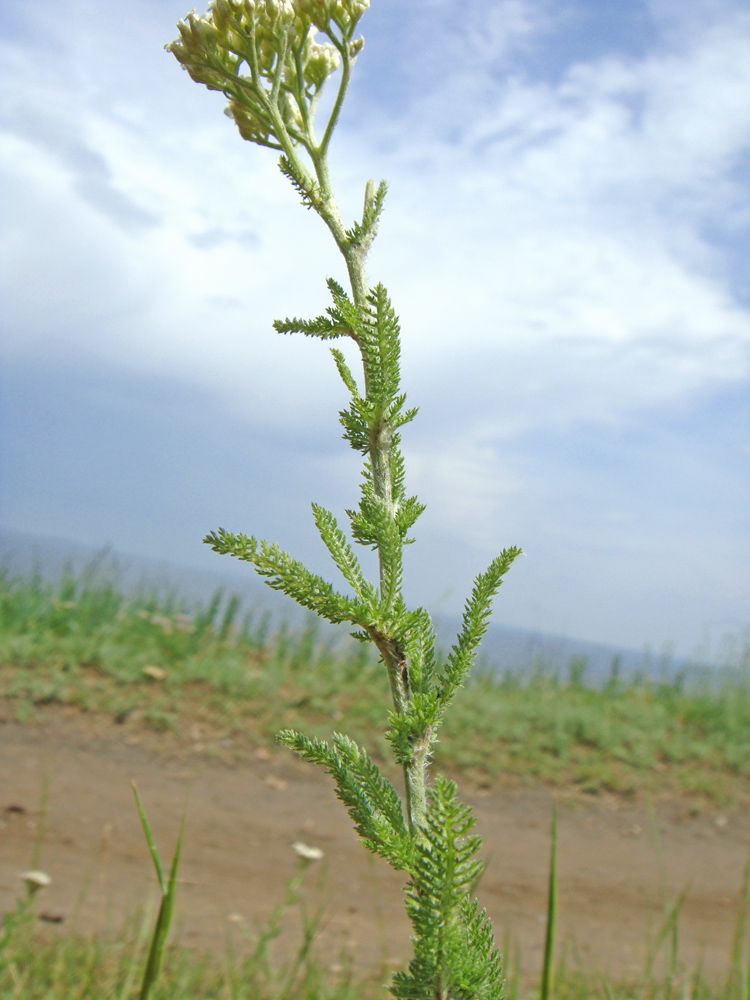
column 35, row 880
column 307, row 852
column 264, row 56
column 320, row 61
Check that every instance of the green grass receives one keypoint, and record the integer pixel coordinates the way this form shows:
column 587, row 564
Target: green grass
column 139, row 964
column 150, row 660
column 74, row 967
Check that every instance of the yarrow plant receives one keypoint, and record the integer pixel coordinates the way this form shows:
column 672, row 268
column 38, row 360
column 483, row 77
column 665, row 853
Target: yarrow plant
column 271, row 60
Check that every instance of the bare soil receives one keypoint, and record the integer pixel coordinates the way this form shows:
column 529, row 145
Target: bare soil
column 243, row 817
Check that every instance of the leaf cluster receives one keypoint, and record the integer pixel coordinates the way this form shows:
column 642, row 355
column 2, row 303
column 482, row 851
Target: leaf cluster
column 371, row 800
column 371, row 423
column 405, row 639
column 373, row 417
column 454, row 953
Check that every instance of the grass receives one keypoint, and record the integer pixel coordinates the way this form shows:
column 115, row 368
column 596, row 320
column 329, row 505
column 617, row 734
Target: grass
column 75, row 967
column 137, row 963
column 147, row 659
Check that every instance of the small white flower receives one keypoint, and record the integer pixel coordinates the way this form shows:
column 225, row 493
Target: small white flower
column 36, row 879
column 307, row 852
column 322, row 60
column 155, row 673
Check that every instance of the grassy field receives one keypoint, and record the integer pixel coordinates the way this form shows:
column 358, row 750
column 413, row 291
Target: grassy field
column 74, row 967
column 149, row 660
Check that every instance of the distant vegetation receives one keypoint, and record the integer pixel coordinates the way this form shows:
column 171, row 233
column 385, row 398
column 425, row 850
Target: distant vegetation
column 147, row 659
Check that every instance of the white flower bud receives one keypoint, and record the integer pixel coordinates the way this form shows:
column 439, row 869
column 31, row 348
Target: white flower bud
column 290, row 112
column 212, row 48
column 317, row 11
column 248, row 123
column 351, row 10
column 307, row 852
column 321, row 62
column 281, row 10
column 36, row 880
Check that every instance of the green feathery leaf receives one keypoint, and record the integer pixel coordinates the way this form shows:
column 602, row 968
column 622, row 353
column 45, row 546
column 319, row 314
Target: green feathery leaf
column 371, row 800
column 341, row 553
column 341, row 320
column 291, row 577
column 454, row 954
column 406, row 515
column 420, row 649
column 304, row 185
column 476, row 618
column 322, row 327
column 361, row 234
column 380, row 345
column 345, row 372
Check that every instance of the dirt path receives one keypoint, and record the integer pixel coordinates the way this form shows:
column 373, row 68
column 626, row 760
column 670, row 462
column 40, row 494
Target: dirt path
column 243, row 819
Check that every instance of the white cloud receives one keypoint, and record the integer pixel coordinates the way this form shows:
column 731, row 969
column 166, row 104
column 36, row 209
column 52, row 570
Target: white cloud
column 554, row 222
column 545, row 240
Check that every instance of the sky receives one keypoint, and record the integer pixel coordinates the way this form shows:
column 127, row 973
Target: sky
column 566, row 240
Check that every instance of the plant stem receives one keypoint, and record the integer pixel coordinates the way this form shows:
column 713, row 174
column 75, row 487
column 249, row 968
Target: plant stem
column 393, row 656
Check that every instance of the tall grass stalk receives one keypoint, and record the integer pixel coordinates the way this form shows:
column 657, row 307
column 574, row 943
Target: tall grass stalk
column 545, row 992
column 168, row 887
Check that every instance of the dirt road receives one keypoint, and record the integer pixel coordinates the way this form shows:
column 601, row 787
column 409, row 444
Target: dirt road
column 243, row 819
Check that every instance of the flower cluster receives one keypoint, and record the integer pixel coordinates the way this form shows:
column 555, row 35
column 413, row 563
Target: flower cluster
column 263, row 55
column 344, row 13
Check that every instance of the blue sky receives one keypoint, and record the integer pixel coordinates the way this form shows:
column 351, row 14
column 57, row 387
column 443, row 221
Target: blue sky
column 566, row 240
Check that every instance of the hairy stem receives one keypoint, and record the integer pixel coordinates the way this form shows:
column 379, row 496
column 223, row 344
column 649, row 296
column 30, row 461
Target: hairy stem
column 381, row 433
column 395, row 660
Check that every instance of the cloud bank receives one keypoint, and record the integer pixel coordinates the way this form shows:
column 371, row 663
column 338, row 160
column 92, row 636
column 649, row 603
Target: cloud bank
column 566, row 241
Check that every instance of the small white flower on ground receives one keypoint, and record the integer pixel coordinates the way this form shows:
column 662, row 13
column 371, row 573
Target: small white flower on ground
column 305, row 851
column 36, row 879
column 155, row 673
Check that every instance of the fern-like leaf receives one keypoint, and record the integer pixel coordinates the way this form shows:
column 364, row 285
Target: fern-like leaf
column 286, row 574
column 454, row 954
column 306, row 187
column 420, row 650
column 370, row 799
column 341, row 553
column 345, row 372
column 475, row 621
column 361, row 234
column 323, row 327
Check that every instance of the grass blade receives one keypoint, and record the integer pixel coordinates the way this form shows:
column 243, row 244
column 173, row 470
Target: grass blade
column 670, row 931
column 166, row 907
column 150, row 841
column 549, row 937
